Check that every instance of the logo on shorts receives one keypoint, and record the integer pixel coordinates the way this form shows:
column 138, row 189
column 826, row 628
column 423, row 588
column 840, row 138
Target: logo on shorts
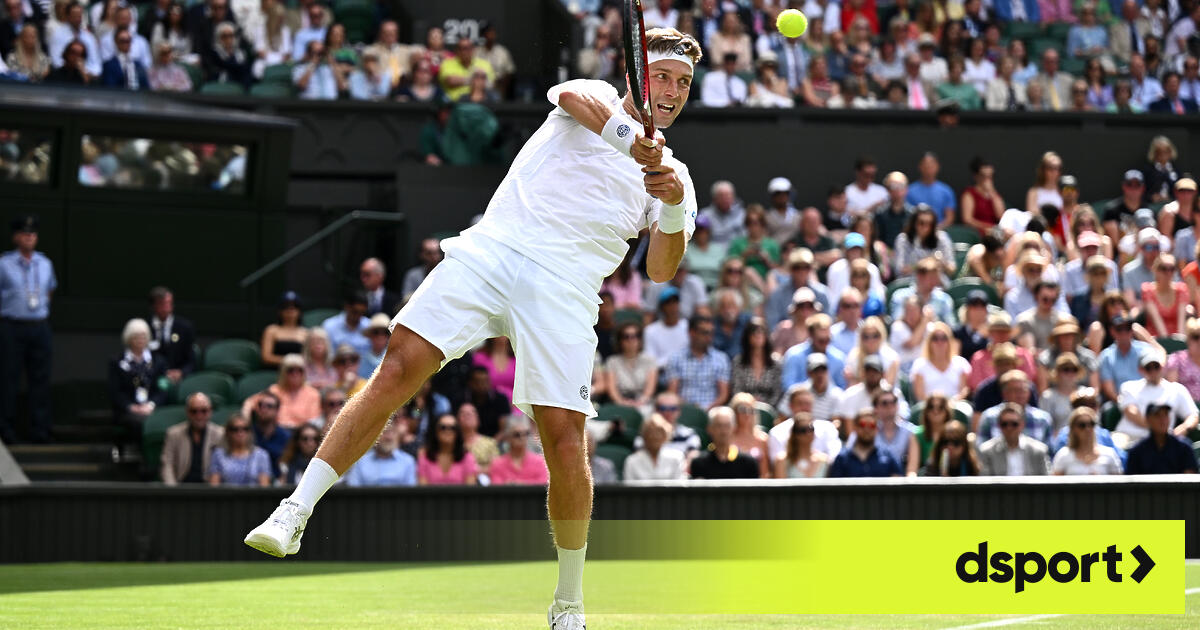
column 622, row 131
column 583, row 392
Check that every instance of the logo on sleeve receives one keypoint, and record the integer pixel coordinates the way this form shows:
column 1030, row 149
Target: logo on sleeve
column 622, row 131
column 583, row 392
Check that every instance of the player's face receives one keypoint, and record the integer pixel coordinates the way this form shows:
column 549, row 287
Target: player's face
column 670, row 85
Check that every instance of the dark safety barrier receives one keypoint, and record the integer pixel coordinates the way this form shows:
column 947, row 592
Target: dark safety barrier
column 91, row 522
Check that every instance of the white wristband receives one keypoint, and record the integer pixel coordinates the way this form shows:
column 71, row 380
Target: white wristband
column 670, row 220
column 619, row 133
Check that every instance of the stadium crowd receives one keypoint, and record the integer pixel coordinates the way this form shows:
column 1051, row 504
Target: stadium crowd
column 1125, row 56
column 902, row 328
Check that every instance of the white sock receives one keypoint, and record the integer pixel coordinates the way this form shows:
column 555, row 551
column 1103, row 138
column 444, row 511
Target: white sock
column 570, row 574
column 317, row 478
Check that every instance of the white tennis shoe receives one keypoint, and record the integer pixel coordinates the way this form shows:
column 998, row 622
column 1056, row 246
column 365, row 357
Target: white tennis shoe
column 566, row 616
column 280, row 534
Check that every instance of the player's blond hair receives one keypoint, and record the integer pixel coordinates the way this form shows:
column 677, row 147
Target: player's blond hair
column 666, row 40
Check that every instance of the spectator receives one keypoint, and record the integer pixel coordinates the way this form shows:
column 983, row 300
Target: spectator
column 693, row 294
column 863, row 195
column 723, row 459
column 655, row 459
column 988, row 392
column 667, row 335
column 1127, row 35
column 394, row 58
column 921, row 240
column 1099, row 94
column 1179, row 215
column 935, row 414
column 1015, row 388
column 940, row 370
column 337, row 46
column 287, row 336
column 1025, row 294
column 979, row 70
column 188, row 446
column 1064, row 339
column 483, row 448
column 769, row 89
column 497, row 357
column 238, row 462
column 891, row 218
column 748, row 436
column 1137, row 395
column 371, row 83
column 999, row 332
column 444, row 459
column 314, row 31
column 1119, row 215
column 346, row 364
column 794, row 330
column 1160, row 173
column 725, row 214
column 139, row 48
column 1075, row 283
column 933, row 69
column 838, row 274
column 982, row 204
column 955, row 89
column 1178, row 40
column 814, row 239
column 661, row 14
column 1171, row 102
column 603, row 470
column 825, row 395
column 1045, row 185
column 434, row 52
column 1063, row 380
column 731, row 39
column 1082, row 455
column 171, row 29
column 908, row 330
column 273, row 439
column 422, row 89
column 871, row 342
column 755, row 370
column 795, row 360
column 1035, row 323
column 381, row 300
column 953, row 454
column 1189, row 85
column 1139, row 271
column 1099, row 333
column 1056, row 85
column 723, row 87
column 1145, row 89
column 632, row 374
column 429, row 257
column 818, row 89
column 927, row 291
column 123, row 70
column 849, row 318
column 756, row 248
column 172, row 337
column 492, row 406
column 625, row 283
column 300, row 450
column 729, row 322
column 226, row 61
column 166, row 75
column 1161, row 452
column 386, row 464
column 1183, row 367
column 1119, row 361
column 865, row 458
column 1088, row 39
column 700, row 373
column 800, row 400
column 71, row 30
column 519, row 465
column 1013, row 453
column 298, row 400
column 317, row 359
column 916, row 92
column 315, row 76
column 332, row 401
column 801, row 459
column 454, row 74
column 349, row 326
column 1165, row 299
column 703, row 256
column 378, row 334
column 270, row 37
column 134, row 378
column 26, row 56
column 600, row 60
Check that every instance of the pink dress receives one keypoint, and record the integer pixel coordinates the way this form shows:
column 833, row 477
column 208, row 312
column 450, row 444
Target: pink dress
column 625, row 295
column 1189, row 373
column 532, row 471
column 501, row 381
column 456, row 476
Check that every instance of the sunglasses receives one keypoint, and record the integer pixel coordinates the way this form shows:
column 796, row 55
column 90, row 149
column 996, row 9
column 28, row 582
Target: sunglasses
column 445, row 427
column 521, row 434
column 872, row 336
column 939, row 338
column 667, row 408
column 1084, row 425
column 800, row 430
column 1193, row 337
column 308, row 438
column 850, row 305
column 887, row 403
column 293, row 370
column 267, row 405
column 734, row 270
column 1170, row 269
column 1009, row 424
column 868, row 424
column 335, row 403
column 629, row 336
column 238, row 429
column 957, row 443
column 1150, row 247
column 199, row 410
column 1068, row 369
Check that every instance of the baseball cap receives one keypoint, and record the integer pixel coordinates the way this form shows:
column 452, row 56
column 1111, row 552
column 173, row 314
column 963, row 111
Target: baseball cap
column 1097, row 262
column 1134, row 175
column 668, row 293
column 802, row 295
column 1144, row 217
column 1120, row 321
column 779, row 184
column 1068, row 181
column 1187, row 183
column 873, row 362
column 800, row 256
column 926, row 39
column 703, row 222
column 1065, row 328
column 1089, row 239
column 289, row 298
column 1148, row 235
column 817, row 360
column 25, row 223
column 977, row 297
column 854, row 239
column 1149, row 358
column 999, row 320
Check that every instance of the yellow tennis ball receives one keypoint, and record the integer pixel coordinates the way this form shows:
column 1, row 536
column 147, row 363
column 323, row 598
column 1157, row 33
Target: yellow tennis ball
column 791, row 23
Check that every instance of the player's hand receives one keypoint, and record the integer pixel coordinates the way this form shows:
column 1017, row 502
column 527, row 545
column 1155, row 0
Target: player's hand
column 647, row 151
column 662, row 182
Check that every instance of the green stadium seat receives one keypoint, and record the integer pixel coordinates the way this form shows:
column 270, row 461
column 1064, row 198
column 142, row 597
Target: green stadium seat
column 1110, row 416
column 616, row 454
column 222, row 89
column 892, row 287
column 695, row 417
column 766, row 416
column 154, row 433
column 358, row 17
column 1059, row 31
column 906, row 389
column 962, row 286
column 1041, row 45
column 271, row 90
column 234, row 357
column 195, row 74
column 629, row 417
column 279, row 73
column 960, row 258
column 1024, row 30
column 254, row 382
column 1172, row 344
column 963, row 234
column 314, row 317
column 217, row 385
column 1073, row 65
column 628, row 316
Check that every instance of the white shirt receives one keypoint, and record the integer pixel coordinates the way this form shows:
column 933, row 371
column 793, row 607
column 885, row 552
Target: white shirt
column 859, row 201
column 831, row 18
column 939, row 382
column 1108, row 463
column 662, row 341
column 837, row 278
column 1141, row 393
column 139, row 48
column 570, row 201
column 857, row 397
column 1016, row 462
column 979, row 74
column 721, row 90
column 653, row 18
column 63, row 36
column 1183, row 29
column 825, row 438
column 670, row 464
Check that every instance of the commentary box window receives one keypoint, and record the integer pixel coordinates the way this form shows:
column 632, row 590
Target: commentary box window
column 26, row 154
column 162, row 164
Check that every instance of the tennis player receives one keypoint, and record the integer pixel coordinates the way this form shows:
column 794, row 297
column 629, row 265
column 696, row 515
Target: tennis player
column 531, row 269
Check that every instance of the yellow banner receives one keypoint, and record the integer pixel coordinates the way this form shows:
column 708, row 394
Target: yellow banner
column 891, row 567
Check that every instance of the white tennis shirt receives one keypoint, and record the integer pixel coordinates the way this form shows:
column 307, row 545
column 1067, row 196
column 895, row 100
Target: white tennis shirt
column 570, row 201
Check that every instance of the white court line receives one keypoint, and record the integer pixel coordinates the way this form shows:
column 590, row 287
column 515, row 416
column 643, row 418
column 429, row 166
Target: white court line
column 999, row 623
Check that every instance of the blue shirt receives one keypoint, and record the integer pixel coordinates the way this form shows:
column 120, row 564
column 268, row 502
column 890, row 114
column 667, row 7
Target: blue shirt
column 938, row 195
column 322, row 85
column 878, row 464
column 398, row 469
column 698, row 377
column 730, row 343
column 25, row 286
column 795, row 364
column 844, row 339
column 942, row 303
column 1175, row 457
column 368, row 362
column 335, row 327
column 240, row 471
column 1118, row 368
column 1103, row 438
column 1038, row 424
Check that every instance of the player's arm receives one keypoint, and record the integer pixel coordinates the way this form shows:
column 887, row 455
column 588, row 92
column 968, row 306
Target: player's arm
column 594, row 110
column 670, row 183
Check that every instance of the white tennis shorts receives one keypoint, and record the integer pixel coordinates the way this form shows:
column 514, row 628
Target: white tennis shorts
column 486, row 289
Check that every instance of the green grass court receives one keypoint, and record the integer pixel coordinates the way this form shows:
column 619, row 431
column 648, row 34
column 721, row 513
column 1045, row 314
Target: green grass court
column 410, row 596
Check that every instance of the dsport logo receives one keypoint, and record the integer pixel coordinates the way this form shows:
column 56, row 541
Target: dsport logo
column 1062, row 567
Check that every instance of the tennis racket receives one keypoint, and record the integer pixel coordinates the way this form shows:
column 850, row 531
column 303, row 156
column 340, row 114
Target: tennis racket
column 635, row 62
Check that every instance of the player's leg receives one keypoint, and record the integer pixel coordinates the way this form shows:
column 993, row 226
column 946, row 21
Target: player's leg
column 568, row 499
